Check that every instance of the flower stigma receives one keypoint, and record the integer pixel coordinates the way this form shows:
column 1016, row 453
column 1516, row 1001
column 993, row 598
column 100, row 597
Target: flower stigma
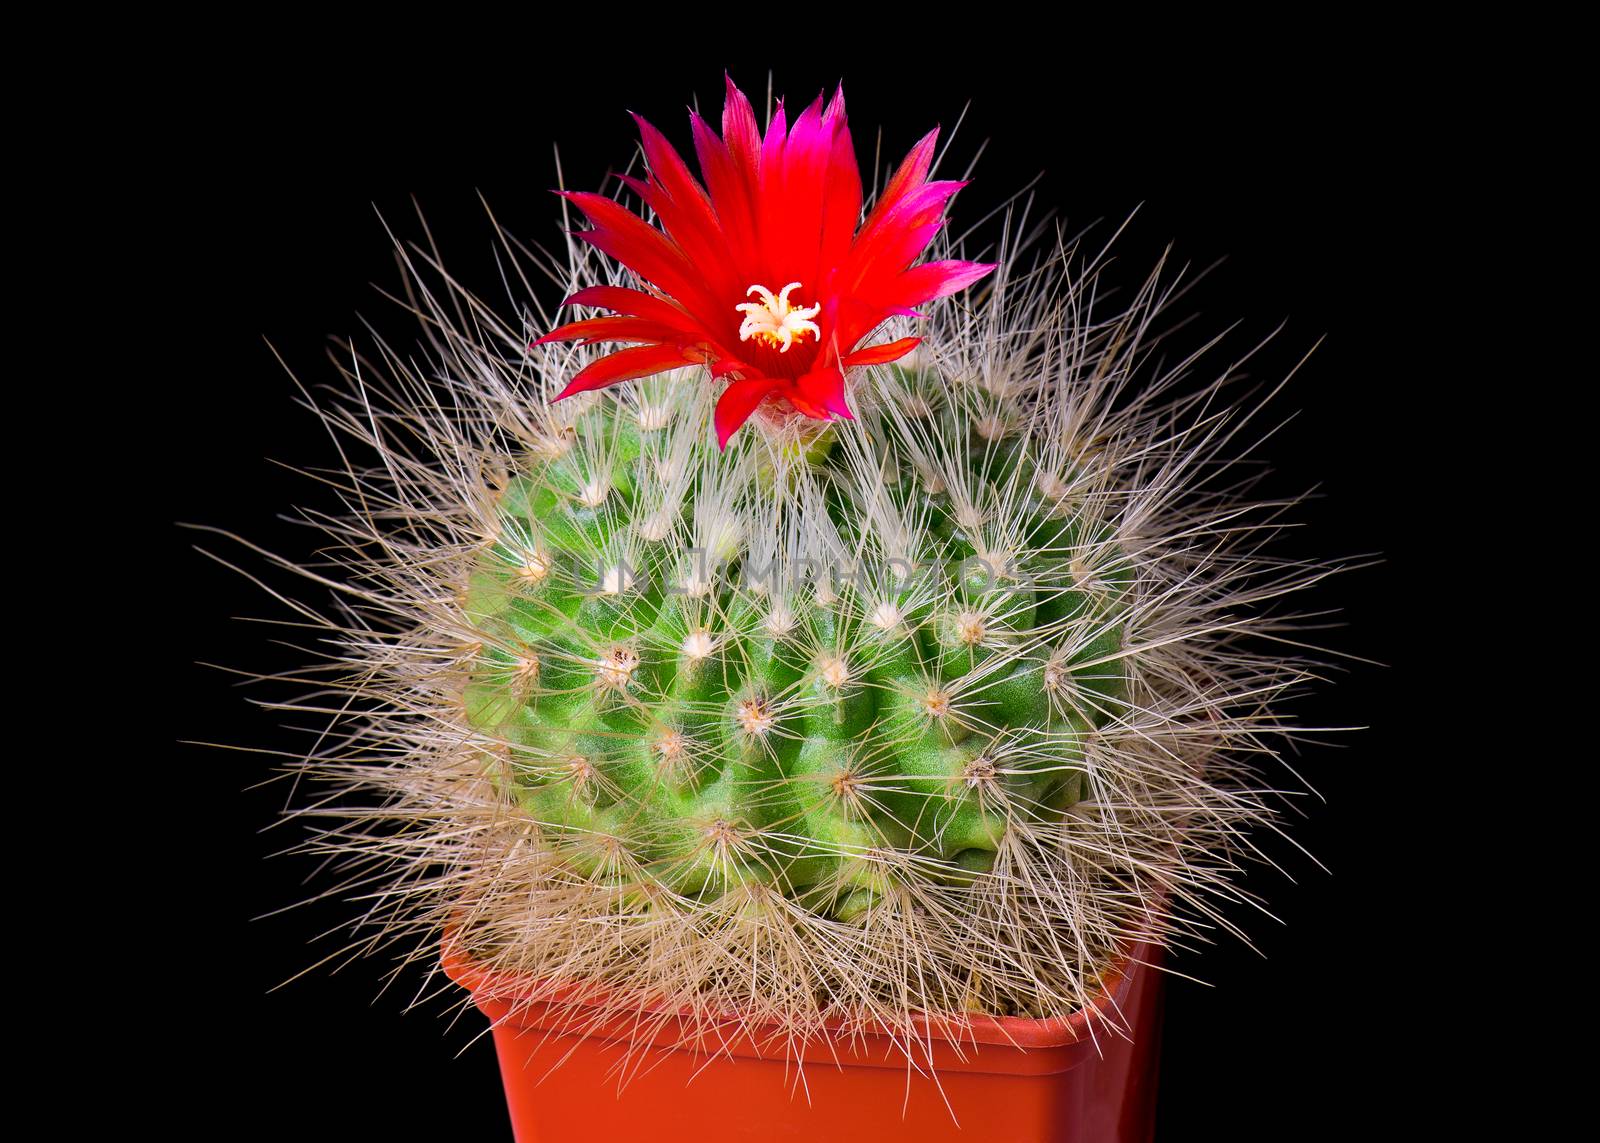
column 773, row 321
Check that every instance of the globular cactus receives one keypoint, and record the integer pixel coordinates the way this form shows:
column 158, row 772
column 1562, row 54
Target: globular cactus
column 806, row 667
column 933, row 709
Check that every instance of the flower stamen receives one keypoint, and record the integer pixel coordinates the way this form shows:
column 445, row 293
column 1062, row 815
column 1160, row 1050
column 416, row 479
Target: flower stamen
column 773, row 321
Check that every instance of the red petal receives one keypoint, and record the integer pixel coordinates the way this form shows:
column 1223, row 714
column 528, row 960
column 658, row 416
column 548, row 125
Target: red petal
column 928, row 281
column 911, row 174
column 814, row 411
column 948, row 277
column 639, row 246
column 669, row 169
column 882, row 354
column 822, row 389
column 835, row 112
column 891, row 241
column 792, row 202
column 730, row 197
column 722, row 366
column 685, row 210
column 635, row 303
column 737, row 402
column 642, row 188
column 841, row 204
column 772, row 145
column 612, row 329
column 739, row 131
column 626, row 365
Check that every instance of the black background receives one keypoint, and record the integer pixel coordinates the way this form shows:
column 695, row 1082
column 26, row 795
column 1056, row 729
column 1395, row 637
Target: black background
column 1318, row 196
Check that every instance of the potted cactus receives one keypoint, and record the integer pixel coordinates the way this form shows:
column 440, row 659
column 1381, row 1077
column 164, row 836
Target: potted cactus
column 814, row 676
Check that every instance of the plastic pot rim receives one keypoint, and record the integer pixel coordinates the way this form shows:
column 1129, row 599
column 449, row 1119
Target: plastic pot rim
column 525, row 997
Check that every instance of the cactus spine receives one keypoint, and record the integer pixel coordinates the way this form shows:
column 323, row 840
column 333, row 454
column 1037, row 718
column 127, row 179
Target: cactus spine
column 931, row 710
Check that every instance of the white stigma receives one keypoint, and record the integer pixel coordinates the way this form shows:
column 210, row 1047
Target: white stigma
column 773, row 321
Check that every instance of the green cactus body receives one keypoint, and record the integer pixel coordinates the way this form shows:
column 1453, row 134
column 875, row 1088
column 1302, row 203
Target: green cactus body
column 686, row 701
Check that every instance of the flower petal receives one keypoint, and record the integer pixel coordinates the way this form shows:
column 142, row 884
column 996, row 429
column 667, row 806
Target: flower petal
column 913, row 171
column 685, row 210
column 626, row 365
column 882, row 354
column 738, row 401
column 765, row 211
column 612, row 329
column 739, row 131
column 822, row 390
column 792, row 200
column 841, row 204
column 730, row 198
column 635, row 303
column 924, row 283
column 640, row 247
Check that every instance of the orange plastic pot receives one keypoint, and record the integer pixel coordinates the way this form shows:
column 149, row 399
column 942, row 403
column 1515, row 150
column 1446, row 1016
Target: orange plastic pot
column 1087, row 1079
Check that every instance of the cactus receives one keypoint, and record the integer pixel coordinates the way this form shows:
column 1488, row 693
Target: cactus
column 805, row 667
column 932, row 709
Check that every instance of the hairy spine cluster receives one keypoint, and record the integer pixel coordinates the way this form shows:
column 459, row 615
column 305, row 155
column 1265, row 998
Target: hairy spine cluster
column 935, row 710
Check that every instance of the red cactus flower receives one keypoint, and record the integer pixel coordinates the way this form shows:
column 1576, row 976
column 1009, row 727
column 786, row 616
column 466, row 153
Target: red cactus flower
column 761, row 273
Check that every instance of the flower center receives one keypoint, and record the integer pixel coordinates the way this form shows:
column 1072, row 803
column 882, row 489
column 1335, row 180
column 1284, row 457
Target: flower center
column 773, row 321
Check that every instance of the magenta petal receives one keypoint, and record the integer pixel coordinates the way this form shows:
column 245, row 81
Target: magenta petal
column 950, row 276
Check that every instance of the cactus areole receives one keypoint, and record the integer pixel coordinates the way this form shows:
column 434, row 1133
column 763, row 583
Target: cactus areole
column 864, row 638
